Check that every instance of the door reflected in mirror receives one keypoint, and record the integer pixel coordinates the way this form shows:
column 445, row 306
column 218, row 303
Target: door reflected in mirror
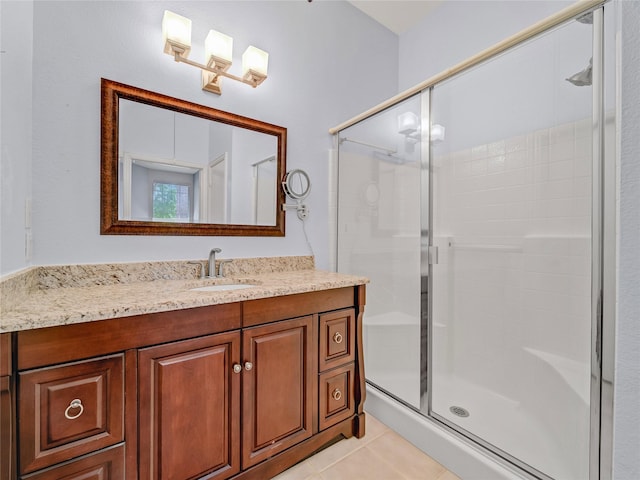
column 186, row 169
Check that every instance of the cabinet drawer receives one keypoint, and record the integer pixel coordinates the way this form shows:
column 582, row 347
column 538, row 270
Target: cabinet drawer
column 336, row 396
column 70, row 410
column 337, row 338
column 104, row 465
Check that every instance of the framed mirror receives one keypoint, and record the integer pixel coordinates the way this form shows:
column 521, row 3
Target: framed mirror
column 172, row 167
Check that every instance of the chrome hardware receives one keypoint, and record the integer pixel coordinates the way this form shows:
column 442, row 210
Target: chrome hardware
column 221, row 265
column 336, row 394
column 237, row 368
column 248, row 366
column 75, row 403
column 337, row 337
column 212, row 262
column 432, row 254
column 202, row 267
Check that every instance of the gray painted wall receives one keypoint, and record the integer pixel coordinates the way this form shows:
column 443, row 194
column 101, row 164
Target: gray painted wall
column 321, row 55
column 626, row 423
column 16, row 37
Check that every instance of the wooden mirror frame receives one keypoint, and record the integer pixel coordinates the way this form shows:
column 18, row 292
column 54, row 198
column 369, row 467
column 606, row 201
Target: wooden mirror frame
column 110, row 224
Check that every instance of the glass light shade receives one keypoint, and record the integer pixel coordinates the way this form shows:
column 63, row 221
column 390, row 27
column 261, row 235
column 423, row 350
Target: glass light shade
column 437, row 133
column 176, row 32
column 255, row 60
column 218, row 47
column 408, row 123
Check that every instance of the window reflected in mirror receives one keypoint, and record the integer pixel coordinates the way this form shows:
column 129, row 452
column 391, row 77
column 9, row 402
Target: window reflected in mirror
column 171, row 202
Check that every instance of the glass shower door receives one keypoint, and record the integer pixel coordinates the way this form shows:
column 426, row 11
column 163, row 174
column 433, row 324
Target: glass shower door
column 379, row 237
column 511, row 219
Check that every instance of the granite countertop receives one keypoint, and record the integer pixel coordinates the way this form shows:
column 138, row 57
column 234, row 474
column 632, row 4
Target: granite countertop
column 63, row 296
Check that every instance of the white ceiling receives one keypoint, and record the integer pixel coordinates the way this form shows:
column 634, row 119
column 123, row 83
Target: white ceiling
column 397, row 15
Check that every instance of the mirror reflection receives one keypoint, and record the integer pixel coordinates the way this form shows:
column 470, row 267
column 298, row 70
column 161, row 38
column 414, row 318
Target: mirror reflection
column 182, row 168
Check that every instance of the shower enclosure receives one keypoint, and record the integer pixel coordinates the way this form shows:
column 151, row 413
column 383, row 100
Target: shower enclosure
column 472, row 207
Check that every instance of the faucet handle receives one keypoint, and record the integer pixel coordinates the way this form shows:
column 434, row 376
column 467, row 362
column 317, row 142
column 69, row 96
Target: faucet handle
column 202, row 267
column 221, row 266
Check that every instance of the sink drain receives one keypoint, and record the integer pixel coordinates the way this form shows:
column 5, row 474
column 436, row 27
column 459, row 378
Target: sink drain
column 459, row 411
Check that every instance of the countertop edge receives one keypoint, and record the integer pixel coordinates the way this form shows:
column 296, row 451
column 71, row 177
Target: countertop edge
column 76, row 305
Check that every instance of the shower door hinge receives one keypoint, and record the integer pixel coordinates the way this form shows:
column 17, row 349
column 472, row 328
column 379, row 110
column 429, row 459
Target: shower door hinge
column 432, row 255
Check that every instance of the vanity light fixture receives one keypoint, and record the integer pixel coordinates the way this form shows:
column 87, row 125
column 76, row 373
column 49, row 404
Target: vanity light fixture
column 409, row 126
column 437, row 133
column 408, row 123
column 176, row 35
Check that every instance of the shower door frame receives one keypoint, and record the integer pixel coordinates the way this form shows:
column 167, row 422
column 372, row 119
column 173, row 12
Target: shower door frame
column 603, row 250
column 602, row 254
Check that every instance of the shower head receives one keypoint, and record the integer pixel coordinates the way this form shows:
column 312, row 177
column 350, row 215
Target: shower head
column 582, row 78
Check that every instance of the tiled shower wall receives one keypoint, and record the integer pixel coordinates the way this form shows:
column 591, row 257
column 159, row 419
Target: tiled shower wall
column 512, row 220
column 512, row 311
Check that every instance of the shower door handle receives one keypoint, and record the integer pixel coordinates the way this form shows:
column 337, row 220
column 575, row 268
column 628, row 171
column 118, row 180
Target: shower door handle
column 432, row 255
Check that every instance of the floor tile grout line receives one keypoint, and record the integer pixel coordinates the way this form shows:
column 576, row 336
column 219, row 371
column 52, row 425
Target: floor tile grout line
column 419, row 452
column 361, row 445
column 401, row 476
column 314, row 471
column 348, row 454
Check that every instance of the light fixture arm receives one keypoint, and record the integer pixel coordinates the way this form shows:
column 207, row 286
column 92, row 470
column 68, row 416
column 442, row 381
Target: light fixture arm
column 253, row 81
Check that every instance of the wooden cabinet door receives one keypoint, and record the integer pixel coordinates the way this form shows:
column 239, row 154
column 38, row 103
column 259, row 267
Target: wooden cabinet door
column 278, row 387
column 106, row 464
column 336, row 399
column 7, row 439
column 69, row 410
column 337, row 338
column 189, row 409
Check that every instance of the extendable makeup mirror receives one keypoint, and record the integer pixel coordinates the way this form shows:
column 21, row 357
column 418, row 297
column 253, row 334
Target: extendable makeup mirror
column 296, row 185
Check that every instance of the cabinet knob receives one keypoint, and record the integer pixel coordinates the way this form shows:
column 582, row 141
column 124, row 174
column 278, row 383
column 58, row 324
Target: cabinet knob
column 237, row 368
column 248, row 366
column 75, row 404
column 336, row 394
column 337, row 337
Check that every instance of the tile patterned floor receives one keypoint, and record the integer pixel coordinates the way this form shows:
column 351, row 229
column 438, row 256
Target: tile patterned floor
column 381, row 455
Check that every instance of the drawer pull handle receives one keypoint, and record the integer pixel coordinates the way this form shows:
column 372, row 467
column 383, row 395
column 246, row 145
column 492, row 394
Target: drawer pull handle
column 337, row 337
column 248, row 366
column 237, row 368
column 336, row 394
column 75, row 404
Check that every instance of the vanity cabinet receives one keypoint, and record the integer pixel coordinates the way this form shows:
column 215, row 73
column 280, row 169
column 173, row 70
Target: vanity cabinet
column 70, row 410
column 107, row 464
column 278, row 387
column 7, row 418
column 241, row 390
column 337, row 367
column 188, row 390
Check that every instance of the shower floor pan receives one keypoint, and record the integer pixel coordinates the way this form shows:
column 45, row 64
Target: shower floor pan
column 507, row 425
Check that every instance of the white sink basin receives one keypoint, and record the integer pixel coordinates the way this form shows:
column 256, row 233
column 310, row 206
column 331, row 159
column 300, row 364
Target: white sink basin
column 222, row 288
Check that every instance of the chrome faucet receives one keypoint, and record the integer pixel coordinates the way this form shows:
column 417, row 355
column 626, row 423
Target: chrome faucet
column 212, row 262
